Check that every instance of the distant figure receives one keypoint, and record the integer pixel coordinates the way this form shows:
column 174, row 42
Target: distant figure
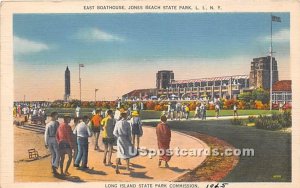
column 204, row 112
column 125, row 149
column 83, row 132
column 142, row 106
column 129, row 113
column 169, row 111
column 163, row 134
column 75, row 144
column 136, row 128
column 281, row 107
column 134, row 107
column 50, row 141
column 77, row 111
column 64, row 137
column 117, row 114
column 96, row 122
column 235, row 112
column 217, row 110
column 178, row 111
column 187, row 112
column 108, row 137
column 197, row 111
column 15, row 111
column 19, row 111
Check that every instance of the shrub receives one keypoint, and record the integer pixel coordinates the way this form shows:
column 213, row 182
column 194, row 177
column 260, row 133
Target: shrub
column 158, row 107
column 150, row 105
column 228, row 104
column 251, row 119
column 259, row 105
column 236, row 121
column 274, row 122
column 211, row 107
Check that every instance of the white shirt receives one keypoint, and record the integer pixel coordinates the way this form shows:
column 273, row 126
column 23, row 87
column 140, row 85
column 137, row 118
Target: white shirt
column 82, row 130
column 117, row 114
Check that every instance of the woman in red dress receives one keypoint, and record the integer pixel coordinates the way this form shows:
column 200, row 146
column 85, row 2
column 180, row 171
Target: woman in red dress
column 163, row 133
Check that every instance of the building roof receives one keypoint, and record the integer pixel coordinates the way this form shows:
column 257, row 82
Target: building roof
column 211, row 79
column 136, row 92
column 282, row 85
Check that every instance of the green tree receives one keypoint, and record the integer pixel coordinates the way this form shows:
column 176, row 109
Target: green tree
column 261, row 95
column 246, row 97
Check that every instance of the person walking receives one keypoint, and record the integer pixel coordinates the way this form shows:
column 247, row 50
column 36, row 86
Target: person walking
column 178, row 111
column 197, row 110
column 204, row 112
column 136, row 129
column 108, row 137
column 77, row 111
column 83, row 132
column 217, row 110
column 64, row 137
column 187, row 112
column 117, row 114
column 75, row 144
column 96, row 127
column 235, row 112
column 163, row 133
column 125, row 149
column 50, row 141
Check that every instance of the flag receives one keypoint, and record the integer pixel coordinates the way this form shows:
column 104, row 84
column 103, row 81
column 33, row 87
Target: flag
column 276, row 19
column 96, row 90
column 81, row 65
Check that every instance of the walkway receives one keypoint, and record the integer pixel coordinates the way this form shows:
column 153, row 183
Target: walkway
column 145, row 169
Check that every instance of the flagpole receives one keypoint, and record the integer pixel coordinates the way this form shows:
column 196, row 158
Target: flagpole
column 271, row 66
column 79, row 85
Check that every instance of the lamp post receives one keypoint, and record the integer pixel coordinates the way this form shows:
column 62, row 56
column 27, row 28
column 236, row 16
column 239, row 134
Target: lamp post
column 80, row 65
column 96, row 95
column 273, row 19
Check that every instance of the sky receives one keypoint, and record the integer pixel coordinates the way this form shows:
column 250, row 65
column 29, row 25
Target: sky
column 122, row 52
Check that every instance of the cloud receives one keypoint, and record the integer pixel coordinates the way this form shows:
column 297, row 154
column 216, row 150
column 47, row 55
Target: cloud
column 25, row 46
column 96, row 35
column 279, row 36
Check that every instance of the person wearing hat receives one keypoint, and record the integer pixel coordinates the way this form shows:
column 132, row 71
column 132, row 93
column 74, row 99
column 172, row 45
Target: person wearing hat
column 163, row 133
column 136, row 128
column 125, row 149
column 64, row 137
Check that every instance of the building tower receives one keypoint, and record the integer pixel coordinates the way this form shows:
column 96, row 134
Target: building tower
column 164, row 79
column 260, row 72
column 67, row 85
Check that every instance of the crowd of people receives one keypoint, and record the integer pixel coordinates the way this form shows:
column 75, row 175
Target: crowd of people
column 178, row 110
column 34, row 113
column 119, row 128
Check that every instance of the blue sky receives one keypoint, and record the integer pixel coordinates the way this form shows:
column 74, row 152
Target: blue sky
column 168, row 41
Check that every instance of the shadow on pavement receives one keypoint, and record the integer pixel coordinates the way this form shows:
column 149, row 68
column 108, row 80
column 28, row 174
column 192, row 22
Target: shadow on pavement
column 92, row 171
column 176, row 169
column 137, row 166
column 140, row 175
column 69, row 178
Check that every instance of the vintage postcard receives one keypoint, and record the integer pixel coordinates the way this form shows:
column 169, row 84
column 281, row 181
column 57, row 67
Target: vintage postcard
column 150, row 94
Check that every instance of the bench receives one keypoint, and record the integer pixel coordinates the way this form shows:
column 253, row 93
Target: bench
column 33, row 153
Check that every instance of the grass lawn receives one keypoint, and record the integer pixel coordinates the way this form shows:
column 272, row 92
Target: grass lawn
column 151, row 114
column 272, row 160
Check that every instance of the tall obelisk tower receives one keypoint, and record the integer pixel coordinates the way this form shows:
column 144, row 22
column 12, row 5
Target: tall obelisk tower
column 67, row 85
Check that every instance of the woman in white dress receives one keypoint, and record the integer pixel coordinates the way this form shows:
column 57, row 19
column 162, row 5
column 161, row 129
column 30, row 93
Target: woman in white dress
column 125, row 149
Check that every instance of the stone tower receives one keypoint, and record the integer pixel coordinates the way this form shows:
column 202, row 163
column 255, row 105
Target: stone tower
column 164, row 79
column 67, row 84
column 260, row 72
